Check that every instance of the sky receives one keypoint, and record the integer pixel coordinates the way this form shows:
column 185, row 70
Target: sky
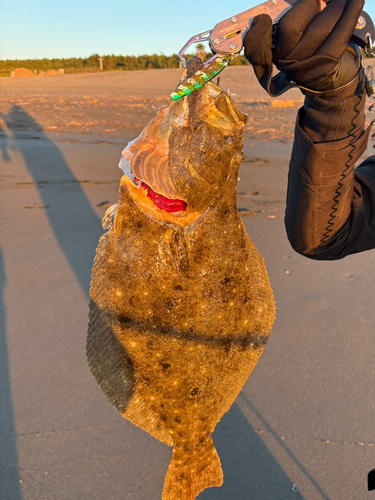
column 78, row 28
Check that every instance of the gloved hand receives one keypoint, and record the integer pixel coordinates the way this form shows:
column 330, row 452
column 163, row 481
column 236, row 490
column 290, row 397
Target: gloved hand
column 311, row 47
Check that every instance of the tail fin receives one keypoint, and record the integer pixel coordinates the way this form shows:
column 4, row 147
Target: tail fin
column 193, row 468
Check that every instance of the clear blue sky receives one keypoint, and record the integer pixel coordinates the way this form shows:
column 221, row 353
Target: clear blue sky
column 78, row 28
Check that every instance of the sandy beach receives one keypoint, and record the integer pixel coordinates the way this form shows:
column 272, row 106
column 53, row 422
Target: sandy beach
column 303, row 427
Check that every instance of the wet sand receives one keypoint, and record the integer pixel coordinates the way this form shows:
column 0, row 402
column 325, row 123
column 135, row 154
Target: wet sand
column 303, row 426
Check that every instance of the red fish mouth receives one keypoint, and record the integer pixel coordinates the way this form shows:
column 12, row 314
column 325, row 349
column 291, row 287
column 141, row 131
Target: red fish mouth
column 161, row 201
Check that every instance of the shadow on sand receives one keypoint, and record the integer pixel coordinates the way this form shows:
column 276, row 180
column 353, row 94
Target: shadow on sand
column 3, row 146
column 285, row 448
column 69, row 232
column 70, row 214
column 9, row 478
column 250, row 470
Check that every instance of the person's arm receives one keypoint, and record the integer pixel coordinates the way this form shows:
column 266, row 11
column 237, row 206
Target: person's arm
column 330, row 206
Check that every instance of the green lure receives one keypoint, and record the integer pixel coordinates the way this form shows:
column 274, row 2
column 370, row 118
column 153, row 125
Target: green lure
column 199, row 78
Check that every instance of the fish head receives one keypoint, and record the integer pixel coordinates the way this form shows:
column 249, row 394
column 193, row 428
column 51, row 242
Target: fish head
column 184, row 159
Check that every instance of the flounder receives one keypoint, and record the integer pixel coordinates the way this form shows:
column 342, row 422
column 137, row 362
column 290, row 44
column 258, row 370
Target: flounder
column 181, row 305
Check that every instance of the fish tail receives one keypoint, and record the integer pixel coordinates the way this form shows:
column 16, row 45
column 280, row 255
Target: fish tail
column 193, row 468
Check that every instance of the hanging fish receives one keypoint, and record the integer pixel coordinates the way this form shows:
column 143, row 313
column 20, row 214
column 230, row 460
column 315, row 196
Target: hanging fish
column 181, row 305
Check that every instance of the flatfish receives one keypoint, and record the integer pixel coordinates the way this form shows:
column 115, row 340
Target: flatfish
column 181, row 305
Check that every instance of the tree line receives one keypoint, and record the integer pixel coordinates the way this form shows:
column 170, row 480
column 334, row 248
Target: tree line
column 110, row 63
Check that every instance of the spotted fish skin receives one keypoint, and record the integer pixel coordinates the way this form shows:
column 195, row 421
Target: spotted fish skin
column 180, row 312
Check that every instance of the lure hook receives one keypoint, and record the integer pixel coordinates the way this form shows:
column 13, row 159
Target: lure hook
column 161, row 107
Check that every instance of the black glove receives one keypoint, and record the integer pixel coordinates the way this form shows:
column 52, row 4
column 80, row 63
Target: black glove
column 311, row 47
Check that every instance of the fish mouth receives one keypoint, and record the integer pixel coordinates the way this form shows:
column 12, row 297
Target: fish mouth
column 160, row 200
column 155, row 204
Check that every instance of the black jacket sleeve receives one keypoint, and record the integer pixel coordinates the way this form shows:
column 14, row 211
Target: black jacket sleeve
column 330, row 209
